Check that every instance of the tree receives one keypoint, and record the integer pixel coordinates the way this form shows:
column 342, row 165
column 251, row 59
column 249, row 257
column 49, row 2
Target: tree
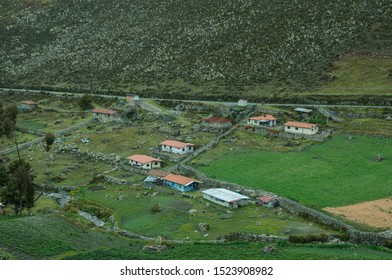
column 85, row 102
column 49, row 140
column 18, row 189
column 8, row 125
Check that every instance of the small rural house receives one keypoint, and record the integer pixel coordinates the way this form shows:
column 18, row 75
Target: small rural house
column 105, row 115
column 301, row 128
column 132, row 99
column 242, row 102
column 180, row 183
column 225, row 197
column 267, row 201
column 28, row 105
column 260, row 121
column 177, row 147
column 215, row 122
column 144, row 162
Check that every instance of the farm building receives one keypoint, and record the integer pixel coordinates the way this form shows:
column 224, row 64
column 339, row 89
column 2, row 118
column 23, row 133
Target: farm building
column 267, row 120
column 28, row 105
column 301, row 128
column 214, row 122
column 303, row 110
column 144, row 162
column 177, row 147
column 180, row 183
column 105, row 115
column 225, row 197
column 154, row 177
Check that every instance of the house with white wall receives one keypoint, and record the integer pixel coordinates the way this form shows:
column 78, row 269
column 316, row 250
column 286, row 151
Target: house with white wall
column 144, row 162
column 180, row 183
column 176, row 147
column 226, row 197
column 301, row 128
column 262, row 121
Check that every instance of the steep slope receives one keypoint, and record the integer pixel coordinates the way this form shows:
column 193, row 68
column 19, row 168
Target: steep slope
column 176, row 44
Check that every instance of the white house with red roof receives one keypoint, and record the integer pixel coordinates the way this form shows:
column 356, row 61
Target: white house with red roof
column 177, row 147
column 105, row 115
column 301, row 128
column 144, row 162
column 261, row 121
column 180, row 183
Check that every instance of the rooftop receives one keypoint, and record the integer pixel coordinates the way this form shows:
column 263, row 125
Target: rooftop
column 225, row 195
column 29, row 102
column 301, row 124
column 303, row 110
column 182, row 180
column 176, row 144
column 104, row 111
column 142, row 159
column 217, row 120
column 263, row 118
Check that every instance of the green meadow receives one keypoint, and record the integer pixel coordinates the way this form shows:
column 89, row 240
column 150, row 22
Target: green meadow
column 338, row 172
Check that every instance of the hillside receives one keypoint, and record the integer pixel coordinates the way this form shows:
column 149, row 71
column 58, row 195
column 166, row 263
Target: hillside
column 174, row 46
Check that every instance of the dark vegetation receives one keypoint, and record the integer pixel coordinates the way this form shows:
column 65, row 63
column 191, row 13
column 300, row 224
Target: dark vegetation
column 186, row 48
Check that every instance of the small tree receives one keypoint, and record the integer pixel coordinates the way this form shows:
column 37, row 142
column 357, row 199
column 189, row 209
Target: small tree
column 85, row 102
column 8, row 125
column 19, row 190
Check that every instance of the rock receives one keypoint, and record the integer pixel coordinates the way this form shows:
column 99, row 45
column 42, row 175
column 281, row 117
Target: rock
column 268, row 249
column 203, row 227
column 155, row 248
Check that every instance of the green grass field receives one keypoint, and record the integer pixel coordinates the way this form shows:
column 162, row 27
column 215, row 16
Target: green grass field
column 54, row 236
column 132, row 207
column 336, row 173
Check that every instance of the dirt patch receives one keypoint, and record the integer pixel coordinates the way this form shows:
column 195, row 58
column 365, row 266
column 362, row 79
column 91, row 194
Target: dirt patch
column 377, row 213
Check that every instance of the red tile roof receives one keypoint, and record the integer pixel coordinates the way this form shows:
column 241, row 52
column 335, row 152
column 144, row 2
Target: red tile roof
column 104, row 111
column 265, row 198
column 142, row 159
column 263, row 118
column 182, row 180
column 29, row 102
column 301, row 124
column 176, row 144
column 217, row 120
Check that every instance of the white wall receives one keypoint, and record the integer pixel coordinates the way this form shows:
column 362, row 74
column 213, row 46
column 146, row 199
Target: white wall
column 149, row 165
column 182, row 151
column 300, row 130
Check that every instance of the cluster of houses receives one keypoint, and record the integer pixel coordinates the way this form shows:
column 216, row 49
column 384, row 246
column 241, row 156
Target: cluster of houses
column 290, row 126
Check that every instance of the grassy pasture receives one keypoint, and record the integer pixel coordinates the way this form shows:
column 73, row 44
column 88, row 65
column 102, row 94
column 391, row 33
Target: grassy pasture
column 133, row 208
column 336, row 173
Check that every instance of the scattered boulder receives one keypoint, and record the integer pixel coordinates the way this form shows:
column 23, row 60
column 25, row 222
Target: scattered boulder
column 378, row 158
column 268, row 249
column 203, row 227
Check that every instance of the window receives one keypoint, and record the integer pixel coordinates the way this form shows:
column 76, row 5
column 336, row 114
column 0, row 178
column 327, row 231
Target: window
column 296, row 128
column 288, row 127
column 147, row 165
column 183, row 149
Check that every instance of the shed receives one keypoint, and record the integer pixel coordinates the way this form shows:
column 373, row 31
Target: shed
column 226, row 197
column 242, row 102
column 105, row 115
column 267, row 201
column 149, row 181
column 215, row 122
column 180, row 183
column 303, row 110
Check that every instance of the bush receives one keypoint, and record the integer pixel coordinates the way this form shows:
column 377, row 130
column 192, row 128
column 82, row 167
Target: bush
column 308, row 238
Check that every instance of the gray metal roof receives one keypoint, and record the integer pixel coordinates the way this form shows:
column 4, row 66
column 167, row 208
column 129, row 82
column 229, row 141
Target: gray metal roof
column 303, row 110
column 225, row 194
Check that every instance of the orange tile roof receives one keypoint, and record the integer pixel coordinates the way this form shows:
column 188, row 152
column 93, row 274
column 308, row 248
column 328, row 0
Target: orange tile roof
column 142, row 159
column 263, row 118
column 176, row 144
column 182, row 180
column 301, row 124
column 29, row 102
column 104, row 111
column 217, row 120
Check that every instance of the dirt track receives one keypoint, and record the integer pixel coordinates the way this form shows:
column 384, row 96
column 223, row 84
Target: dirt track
column 376, row 213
